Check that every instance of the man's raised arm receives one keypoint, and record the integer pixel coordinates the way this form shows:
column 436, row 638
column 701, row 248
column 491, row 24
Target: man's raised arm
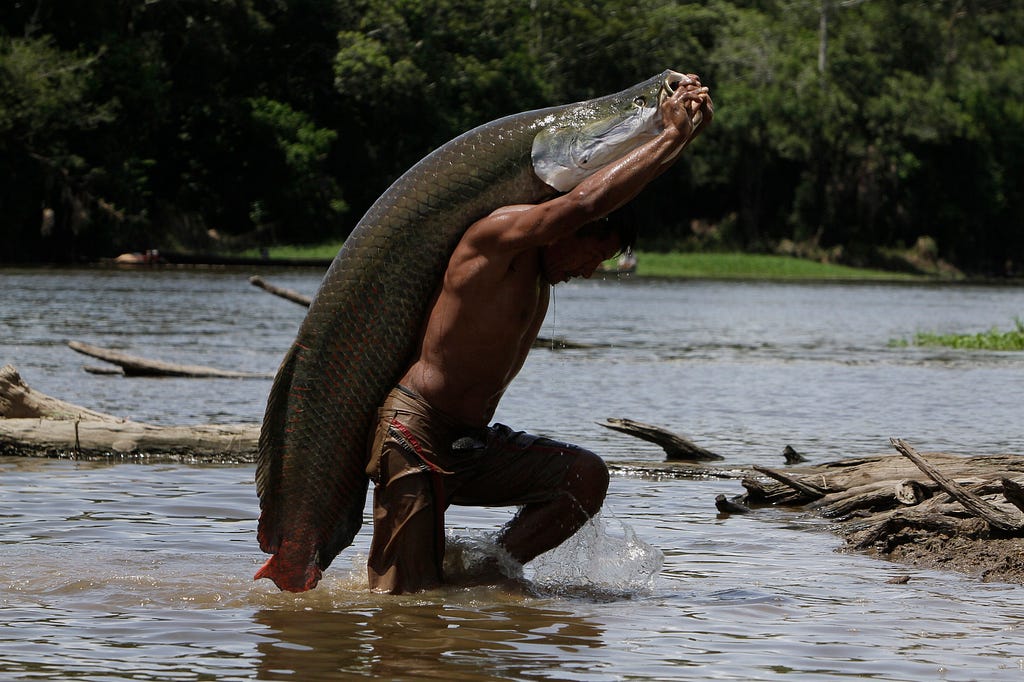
column 609, row 188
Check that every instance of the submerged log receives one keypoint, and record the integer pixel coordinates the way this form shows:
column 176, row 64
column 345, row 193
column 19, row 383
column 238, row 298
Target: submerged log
column 675, row 446
column 792, row 456
column 731, row 506
column 558, row 343
column 134, row 366
column 287, row 294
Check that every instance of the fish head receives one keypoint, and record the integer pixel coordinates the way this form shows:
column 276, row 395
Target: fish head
column 584, row 137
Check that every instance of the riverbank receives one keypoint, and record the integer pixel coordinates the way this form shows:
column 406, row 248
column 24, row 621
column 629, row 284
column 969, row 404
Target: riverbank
column 731, row 265
column 753, row 266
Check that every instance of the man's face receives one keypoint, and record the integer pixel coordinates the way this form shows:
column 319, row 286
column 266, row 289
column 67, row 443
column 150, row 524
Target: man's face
column 576, row 256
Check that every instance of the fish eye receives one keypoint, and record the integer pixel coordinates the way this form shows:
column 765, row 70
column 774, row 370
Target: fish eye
column 640, row 101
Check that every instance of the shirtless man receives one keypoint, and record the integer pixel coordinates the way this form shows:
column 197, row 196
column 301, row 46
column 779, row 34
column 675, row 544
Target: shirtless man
column 433, row 446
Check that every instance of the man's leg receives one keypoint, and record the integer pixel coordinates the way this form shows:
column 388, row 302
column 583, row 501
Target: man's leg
column 542, row 526
column 559, row 486
column 407, row 549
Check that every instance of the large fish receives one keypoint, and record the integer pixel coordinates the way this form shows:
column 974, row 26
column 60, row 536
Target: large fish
column 364, row 321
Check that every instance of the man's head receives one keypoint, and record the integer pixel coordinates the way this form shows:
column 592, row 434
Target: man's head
column 580, row 254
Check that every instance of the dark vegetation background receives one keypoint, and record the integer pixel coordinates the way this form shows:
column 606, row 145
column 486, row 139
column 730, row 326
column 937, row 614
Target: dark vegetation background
column 844, row 129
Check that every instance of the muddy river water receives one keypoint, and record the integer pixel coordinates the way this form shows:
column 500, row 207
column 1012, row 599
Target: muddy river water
column 143, row 571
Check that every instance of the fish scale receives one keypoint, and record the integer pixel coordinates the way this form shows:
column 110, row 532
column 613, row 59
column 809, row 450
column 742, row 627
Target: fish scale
column 363, row 325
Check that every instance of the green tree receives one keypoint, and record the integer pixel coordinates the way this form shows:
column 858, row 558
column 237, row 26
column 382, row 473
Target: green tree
column 44, row 101
column 298, row 161
column 412, row 75
column 128, row 124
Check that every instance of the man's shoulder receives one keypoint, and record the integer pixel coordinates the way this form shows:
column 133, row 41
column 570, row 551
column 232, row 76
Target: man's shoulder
column 512, row 208
column 493, row 234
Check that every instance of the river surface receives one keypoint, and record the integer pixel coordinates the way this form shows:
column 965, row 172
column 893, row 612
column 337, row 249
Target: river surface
column 132, row 571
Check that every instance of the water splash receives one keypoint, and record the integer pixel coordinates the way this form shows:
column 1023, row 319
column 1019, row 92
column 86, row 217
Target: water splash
column 599, row 558
column 602, row 560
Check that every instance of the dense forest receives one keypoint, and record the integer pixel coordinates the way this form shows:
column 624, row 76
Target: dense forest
column 851, row 126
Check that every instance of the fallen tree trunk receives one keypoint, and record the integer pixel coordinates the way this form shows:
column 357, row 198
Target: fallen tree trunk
column 103, row 439
column 933, row 510
column 1001, row 519
column 134, row 366
column 17, row 400
column 33, row 424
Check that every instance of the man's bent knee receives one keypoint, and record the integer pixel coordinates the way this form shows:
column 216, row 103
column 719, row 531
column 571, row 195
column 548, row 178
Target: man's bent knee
column 587, row 481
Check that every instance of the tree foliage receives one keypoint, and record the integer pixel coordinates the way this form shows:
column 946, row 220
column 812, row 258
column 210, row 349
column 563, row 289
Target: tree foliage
column 852, row 124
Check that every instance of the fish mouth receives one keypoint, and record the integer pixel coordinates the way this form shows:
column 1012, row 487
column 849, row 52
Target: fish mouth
column 672, row 81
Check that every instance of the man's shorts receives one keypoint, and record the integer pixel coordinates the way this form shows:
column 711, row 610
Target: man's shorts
column 422, row 460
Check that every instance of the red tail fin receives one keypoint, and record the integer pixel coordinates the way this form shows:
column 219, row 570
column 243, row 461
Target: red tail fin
column 290, row 575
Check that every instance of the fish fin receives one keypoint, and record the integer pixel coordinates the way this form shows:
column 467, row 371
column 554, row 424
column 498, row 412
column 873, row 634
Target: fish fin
column 268, row 459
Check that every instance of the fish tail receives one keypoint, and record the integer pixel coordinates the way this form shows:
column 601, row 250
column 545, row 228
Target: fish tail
column 291, row 575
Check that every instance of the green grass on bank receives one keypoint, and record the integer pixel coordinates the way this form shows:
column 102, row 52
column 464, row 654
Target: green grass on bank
column 752, row 266
column 687, row 265
column 325, row 251
column 993, row 339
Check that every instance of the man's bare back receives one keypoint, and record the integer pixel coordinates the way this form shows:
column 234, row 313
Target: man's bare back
column 481, row 326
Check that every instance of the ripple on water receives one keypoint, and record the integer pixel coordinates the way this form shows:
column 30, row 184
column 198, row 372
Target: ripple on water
column 131, row 571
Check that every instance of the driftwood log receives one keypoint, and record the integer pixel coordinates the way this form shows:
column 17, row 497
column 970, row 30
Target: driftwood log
column 35, row 424
column 675, row 446
column 94, row 439
column 933, row 510
column 288, row 294
column 134, row 366
column 17, row 400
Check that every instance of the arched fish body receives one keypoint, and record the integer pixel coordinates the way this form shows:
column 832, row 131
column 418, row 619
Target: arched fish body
column 363, row 324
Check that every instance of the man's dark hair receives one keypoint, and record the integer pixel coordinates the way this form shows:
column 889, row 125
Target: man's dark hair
column 624, row 228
